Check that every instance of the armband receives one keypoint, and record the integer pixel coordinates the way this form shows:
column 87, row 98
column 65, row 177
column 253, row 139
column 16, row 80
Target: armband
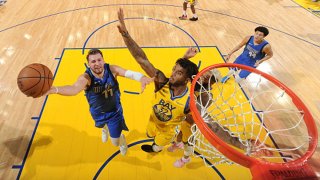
column 133, row 75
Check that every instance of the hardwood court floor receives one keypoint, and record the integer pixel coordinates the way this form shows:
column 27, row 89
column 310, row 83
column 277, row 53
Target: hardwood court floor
column 38, row 31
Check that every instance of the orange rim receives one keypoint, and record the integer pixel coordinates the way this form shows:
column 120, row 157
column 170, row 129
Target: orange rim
column 239, row 157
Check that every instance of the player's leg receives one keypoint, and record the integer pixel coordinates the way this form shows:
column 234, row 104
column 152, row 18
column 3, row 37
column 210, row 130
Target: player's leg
column 105, row 133
column 184, row 12
column 178, row 144
column 151, row 133
column 193, row 9
column 162, row 138
column 117, row 138
column 232, row 71
column 188, row 149
column 101, row 122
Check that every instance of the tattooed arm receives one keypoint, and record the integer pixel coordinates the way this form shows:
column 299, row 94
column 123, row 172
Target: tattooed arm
column 138, row 53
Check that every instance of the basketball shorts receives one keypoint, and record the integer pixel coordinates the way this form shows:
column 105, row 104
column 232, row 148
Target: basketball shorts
column 192, row 2
column 115, row 125
column 244, row 73
column 162, row 135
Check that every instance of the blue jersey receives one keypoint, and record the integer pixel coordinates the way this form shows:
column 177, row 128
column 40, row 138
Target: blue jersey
column 251, row 53
column 103, row 96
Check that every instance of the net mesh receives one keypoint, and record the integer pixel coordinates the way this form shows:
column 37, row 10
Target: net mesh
column 252, row 115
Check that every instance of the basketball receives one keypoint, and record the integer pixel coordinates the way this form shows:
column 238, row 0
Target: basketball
column 35, row 80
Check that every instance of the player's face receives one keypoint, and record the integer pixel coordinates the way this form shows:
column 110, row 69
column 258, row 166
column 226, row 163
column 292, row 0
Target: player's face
column 258, row 36
column 206, row 77
column 178, row 76
column 96, row 63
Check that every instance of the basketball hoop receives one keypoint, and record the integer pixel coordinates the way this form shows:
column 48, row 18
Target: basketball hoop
column 256, row 122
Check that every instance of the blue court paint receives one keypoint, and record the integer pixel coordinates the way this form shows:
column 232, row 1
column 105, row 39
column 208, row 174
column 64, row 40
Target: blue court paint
column 16, row 167
column 199, row 64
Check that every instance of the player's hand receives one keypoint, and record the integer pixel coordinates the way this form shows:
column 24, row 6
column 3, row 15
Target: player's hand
column 227, row 57
column 122, row 26
column 145, row 81
column 191, row 52
column 257, row 64
column 52, row 90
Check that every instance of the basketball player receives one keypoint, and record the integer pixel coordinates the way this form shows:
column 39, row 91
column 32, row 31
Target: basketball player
column 204, row 96
column 184, row 13
column 171, row 101
column 256, row 51
column 102, row 91
column 208, row 78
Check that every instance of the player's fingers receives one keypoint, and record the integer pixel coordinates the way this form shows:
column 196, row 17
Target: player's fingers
column 143, row 86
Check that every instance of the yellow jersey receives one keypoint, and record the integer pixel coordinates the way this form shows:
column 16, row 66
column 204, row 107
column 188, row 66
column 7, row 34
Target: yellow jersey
column 169, row 110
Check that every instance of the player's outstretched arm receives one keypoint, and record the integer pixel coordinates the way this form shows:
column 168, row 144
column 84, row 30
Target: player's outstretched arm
column 242, row 43
column 70, row 90
column 134, row 48
column 190, row 53
column 119, row 71
column 138, row 53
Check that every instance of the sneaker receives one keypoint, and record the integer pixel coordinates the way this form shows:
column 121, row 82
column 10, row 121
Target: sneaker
column 147, row 148
column 175, row 146
column 181, row 162
column 105, row 134
column 123, row 145
column 193, row 19
column 183, row 17
column 225, row 79
column 3, row 2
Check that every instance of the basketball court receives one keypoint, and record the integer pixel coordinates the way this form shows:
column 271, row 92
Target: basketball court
column 54, row 137
column 66, row 126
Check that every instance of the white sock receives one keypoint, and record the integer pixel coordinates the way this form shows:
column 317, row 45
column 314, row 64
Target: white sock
column 195, row 15
column 184, row 13
column 184, row 159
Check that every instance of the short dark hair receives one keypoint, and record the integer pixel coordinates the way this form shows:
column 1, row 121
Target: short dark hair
column 190, row 67
column 262, row 29
column 92, row 52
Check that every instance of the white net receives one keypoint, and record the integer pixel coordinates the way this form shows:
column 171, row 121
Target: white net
column 252, row 115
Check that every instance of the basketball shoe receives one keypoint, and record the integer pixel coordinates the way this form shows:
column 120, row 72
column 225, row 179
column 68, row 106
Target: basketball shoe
column 181, row 162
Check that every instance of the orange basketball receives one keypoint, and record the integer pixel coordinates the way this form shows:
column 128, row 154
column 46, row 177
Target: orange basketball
column 35, row 80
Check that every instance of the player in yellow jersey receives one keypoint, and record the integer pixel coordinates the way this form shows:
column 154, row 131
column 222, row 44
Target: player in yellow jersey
column 193, row 9
column 208, row 78
column 171, row 102
column 204, row 96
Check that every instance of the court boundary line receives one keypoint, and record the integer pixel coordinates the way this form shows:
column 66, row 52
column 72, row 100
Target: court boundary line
column 36, row 127
column 143, row 141
column 168, row 5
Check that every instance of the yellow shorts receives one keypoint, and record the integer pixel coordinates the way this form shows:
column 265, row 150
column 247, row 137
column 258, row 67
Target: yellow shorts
column 186, row 131
column 192, row 2
column 162, row 135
